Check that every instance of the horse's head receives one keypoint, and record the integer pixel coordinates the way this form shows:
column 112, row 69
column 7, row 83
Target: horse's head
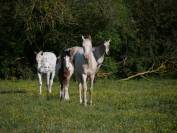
column 87, row 46
column 39, row 57
column 66, row 61
column 107, row 44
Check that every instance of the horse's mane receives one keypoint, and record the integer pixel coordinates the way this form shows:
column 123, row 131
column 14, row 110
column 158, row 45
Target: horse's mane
column 100, row 43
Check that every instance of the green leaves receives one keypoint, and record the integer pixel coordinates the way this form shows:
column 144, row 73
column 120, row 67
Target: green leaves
column 142, row 32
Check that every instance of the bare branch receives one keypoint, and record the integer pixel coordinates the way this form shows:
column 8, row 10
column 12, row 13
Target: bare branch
column 150, row 70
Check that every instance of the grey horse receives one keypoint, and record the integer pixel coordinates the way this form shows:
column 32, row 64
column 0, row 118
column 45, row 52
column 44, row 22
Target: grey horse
column 46, row 62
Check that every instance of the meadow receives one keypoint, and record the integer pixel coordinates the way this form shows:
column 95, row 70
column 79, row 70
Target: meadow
column 138, row 106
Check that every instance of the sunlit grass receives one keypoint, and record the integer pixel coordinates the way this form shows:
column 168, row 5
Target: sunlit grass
column 118, row 106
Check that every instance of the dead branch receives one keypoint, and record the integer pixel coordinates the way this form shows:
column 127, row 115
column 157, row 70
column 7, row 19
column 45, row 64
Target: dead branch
column 150, row 70
column 19, row 58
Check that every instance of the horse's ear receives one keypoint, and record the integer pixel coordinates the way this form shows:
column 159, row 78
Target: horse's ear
column 41, row 52
column 35, row 52
column 83, row 38
column 67, row 51
column 107, row 43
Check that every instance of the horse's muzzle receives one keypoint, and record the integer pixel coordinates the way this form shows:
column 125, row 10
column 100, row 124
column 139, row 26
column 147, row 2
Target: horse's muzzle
column 108, row 53
column 86, row 56
column 66, row 72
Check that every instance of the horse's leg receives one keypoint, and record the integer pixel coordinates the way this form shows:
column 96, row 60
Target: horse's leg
column 80, row 92
column 91, row 88
column 47, row 82
column 84, row 77
column 40, row 82
column 66, row 96
column 61, row 92
column 51, row 81
column 79, row 79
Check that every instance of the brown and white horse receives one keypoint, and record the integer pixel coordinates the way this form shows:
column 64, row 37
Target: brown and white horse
column 66, row 70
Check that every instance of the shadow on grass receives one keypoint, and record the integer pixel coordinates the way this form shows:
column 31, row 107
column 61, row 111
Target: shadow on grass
column 12, row 91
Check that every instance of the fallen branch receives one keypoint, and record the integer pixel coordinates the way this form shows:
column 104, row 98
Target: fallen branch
column 139, row 74
column 162, row 66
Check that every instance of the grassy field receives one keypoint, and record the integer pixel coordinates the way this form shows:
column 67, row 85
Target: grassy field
column 119, row 106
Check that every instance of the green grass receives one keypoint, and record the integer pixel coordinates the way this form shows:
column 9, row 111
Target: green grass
column 118, row 106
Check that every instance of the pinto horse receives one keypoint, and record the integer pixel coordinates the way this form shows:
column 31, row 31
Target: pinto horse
column 65, row 72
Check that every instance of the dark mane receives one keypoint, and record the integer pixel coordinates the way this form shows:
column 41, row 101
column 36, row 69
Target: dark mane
column 100, row 43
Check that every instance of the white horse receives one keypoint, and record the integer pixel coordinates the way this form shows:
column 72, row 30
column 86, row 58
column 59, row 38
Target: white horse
column 85, row 66
column 65, row 72
column 46, row 62
column 98, row 52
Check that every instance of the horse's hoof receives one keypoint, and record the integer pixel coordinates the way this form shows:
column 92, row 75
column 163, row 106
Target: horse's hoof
column 66, row 98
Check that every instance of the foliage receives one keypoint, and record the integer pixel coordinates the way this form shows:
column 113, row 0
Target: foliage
column 155, row 39
column 142, row 33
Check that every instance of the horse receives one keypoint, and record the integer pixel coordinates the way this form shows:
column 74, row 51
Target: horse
column 85, row 66
column 46, row 62
column 98, row 52
column 66, row 70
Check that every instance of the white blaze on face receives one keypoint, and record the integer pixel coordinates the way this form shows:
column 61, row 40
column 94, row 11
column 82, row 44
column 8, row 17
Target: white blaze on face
column 67, row 62
column 107, row 44
column 87, row 47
